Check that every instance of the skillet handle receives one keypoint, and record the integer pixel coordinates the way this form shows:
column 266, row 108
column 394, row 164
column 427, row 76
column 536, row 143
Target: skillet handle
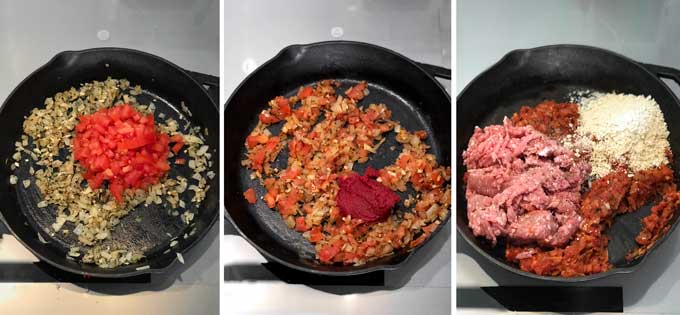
column 436, row 71
column 664, row 72
column 210, row 83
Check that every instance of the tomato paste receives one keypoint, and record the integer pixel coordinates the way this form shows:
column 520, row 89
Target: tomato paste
column 364, row 198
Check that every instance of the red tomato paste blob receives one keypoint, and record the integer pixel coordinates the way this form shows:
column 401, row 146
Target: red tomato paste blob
column 364, row 198
column 121, row 146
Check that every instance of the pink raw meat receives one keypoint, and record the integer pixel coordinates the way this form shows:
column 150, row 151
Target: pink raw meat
column 522, row 185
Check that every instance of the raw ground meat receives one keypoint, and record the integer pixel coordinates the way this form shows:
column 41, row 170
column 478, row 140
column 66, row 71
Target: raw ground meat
column 522, row 185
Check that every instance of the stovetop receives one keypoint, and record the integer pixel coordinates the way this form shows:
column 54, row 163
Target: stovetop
column 32, row 32
column 424, row 283
column 647, row 33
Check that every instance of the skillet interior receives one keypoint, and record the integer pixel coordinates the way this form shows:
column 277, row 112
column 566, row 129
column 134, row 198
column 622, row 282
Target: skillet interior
column 527, row 77
column 408, row 91
column 162, row 82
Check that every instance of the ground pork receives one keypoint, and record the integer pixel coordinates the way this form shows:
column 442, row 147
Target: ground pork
column 522, row 185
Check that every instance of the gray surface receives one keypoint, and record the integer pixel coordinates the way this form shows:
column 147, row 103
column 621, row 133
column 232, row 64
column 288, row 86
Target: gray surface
column 184, row 32
column 256, row 31
column 645, row 31
column 32, row 32
column 418, row 29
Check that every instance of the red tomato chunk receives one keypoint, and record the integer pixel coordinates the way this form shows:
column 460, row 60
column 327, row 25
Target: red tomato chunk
column 121, row 146
column 250, row 196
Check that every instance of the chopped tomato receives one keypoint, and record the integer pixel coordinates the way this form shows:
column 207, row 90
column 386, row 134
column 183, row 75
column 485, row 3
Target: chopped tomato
column 95, row 181
column 179, row 143
column 180, row 161
column 437, row 178
column 304, row 92
column 254, row 140
column 335, row 213
column 176, row 138
column 267, row 118
column 428, row 179
column 177, row 147
column 356, row 92
column 258, row 159
column 269, row 183
column 300, row 225
column 292, row 146
column 298, row 148
column 422, row 134
column 404, row 160
column 121, row 146
column 280, row 101
column 430, row 228
column 250, row 195
column 162, row 165
column 290, row 173
column 271, row 144
column 418, row 180
column 287, row 205
column 138, row 141
column 327, row 253
column 307, row 208
column 270, row 198
column 282, row 109
column 116, row 188
column 315, row 234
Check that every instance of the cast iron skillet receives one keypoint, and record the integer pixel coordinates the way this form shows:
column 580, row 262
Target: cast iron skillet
column 163, row 82
column 529, row 76
column 409, row 89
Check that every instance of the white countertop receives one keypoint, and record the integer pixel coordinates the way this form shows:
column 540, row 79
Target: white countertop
column 256, row 31
column 184, row 32
column 646, row 31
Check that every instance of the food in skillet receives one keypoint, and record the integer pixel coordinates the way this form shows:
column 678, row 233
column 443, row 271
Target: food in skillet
column 522, row 185
column 95, row 154
column 349, row 217
column 551, row 180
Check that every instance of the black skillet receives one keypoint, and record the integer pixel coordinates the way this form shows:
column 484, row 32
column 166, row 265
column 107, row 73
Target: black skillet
column 409, row 89
column 149, row 229
column 529, row 76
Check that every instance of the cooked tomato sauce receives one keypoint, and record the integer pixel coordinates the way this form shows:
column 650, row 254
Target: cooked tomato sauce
column 609, row 196
column 121, row 146
column 555, row 120
column 656, row 224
